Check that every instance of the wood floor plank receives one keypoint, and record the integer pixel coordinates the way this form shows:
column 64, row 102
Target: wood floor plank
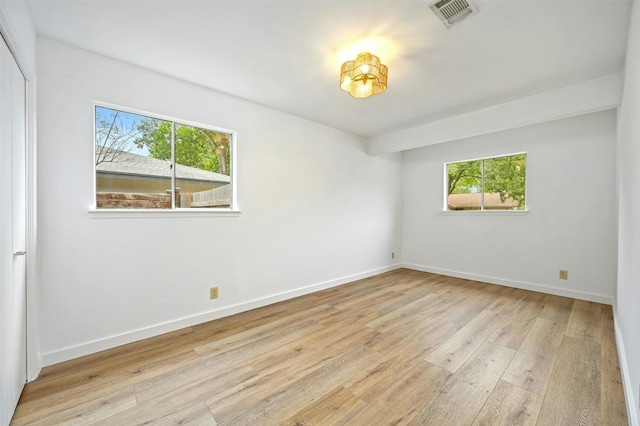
column 348, row 318
column 311, row 351
column 356, row 354
column 414, row 342
column 165, row 345
column 584, row 321
column 424, row 284
column 423, row 334
column 516, row 326
column 431, row 310
column 357, row 292
column 242, row 396
column 462, row 309
column 335, row 408
column 455, row 351
column 396, row 399
column 264, row 332
column 59, row 395
column 509, row 405
column 172, row 403
column 507, row 300
column 198, row 415
column 124, row 365
column 408, row 313
column 464, row 394
column 557, row 308
column 612, row 399
column 222, row 327
column 241, row 355
column 573, row 396
column 367, row 382
column 93, row 411
column 390, row 305
column 363, row 300
column 533, row 363
column 281, row 370
column 283, row 403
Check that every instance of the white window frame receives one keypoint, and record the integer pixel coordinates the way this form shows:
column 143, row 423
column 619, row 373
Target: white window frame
column 482, row 210
column 233, row 210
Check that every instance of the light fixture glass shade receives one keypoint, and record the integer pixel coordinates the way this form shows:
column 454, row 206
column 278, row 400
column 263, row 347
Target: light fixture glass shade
column 364, row 77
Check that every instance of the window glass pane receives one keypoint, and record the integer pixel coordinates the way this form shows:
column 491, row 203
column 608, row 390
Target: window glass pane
column 203, row 168
column 133, row 160
column 464, row 185
column 135, row 166
column 504, row 182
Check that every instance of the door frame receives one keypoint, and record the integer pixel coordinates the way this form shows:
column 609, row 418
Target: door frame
column 34, row 359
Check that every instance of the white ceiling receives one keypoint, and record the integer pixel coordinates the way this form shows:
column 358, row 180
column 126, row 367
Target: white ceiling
column 287, row 54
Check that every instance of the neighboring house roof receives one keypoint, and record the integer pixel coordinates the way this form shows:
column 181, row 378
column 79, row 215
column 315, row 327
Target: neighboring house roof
column 130, row 164
column 468, row 201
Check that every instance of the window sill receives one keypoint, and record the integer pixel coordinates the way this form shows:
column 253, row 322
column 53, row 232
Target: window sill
column 485, row 212
column 164, row 213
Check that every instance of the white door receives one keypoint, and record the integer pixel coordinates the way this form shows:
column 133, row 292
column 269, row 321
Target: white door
column 13, row 349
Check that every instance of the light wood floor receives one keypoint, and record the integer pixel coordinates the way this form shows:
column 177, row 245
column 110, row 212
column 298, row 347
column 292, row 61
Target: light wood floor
column 405, row 347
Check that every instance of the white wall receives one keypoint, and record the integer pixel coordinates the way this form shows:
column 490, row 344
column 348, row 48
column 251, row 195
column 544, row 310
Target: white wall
column 16, row 17
column 571, row 223
column 628, row 291
column 316, row 211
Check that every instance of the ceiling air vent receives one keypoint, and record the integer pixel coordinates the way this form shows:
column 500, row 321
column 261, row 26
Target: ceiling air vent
column 451, row 12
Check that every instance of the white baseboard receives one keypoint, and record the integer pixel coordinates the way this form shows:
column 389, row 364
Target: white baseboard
column 157, row 329
column 632, row 409
column 608, row 300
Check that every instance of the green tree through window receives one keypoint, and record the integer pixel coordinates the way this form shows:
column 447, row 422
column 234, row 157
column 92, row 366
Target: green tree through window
column 195, row 147
column 487, row 184
column 147, row 162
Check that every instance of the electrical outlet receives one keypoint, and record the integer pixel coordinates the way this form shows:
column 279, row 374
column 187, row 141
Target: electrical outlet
column 214, row 292
column 564, row 275
column 393, row 254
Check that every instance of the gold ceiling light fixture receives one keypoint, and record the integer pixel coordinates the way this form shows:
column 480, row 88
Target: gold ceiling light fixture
column 364, row 77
